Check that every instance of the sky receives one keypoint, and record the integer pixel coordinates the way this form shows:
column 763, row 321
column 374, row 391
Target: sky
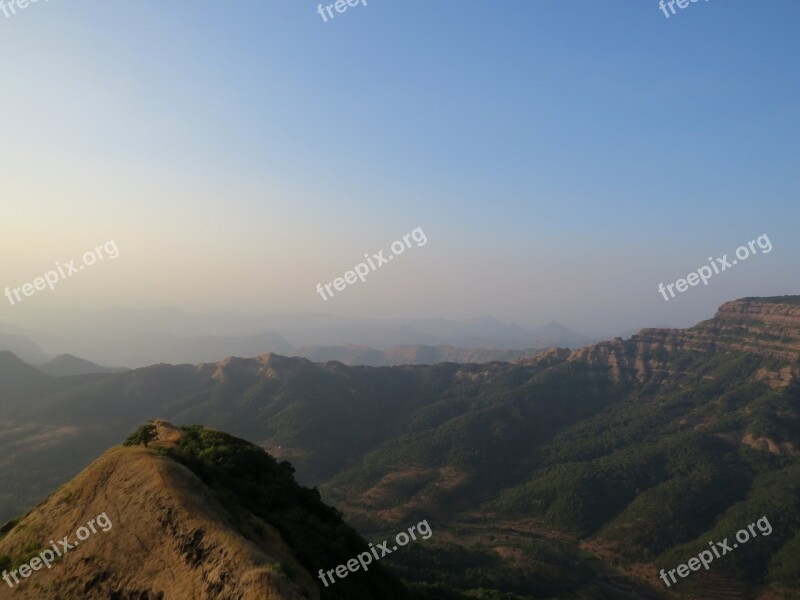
column 563, row 158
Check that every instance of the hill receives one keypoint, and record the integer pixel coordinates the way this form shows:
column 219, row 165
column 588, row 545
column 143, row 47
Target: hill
column 65, row 365
column 199, row 514
column 22, row 346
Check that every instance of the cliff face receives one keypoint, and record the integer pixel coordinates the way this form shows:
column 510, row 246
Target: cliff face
column 766, row 327
column 769, row 326
column 777, row 309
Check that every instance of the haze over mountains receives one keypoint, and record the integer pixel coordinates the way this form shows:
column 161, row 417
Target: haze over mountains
column 136, row 338
column 66, row 365
column 282, row 281
column 573, row 474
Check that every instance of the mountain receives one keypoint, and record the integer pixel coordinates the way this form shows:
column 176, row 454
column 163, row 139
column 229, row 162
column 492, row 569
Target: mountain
column 431, row 355
column 65, row 365
column 555, row 334
column 571, row 474
column 136, row 338
column 350, row 354
column 21, row 384
column 153, row 348
column 193, row 514
column 23, row 347
column 417, row 354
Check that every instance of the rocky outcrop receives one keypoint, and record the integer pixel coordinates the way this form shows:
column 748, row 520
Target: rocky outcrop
column 769, row 327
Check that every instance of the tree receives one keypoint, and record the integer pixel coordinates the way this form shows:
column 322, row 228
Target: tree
column 144, row 435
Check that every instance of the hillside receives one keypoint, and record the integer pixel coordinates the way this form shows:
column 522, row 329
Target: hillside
column 585, row 471
column 21, row 385
column 199, row 514
column 65, row 365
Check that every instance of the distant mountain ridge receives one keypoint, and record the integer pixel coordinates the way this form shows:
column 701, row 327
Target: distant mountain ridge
column 65, row 365
column 409, row 355
column 22, row 347
column 132, row 338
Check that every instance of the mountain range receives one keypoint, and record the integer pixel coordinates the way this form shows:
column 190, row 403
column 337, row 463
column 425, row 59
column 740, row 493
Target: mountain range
column 572, row 474
column 137, row 338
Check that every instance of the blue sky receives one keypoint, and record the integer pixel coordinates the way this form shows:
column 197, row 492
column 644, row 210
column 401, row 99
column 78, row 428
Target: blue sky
column 563, row 158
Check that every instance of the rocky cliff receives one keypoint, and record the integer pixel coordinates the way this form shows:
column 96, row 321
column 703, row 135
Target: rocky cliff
column 768, row 327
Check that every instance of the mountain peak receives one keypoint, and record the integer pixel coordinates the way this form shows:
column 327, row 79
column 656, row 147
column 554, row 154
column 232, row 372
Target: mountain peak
column 187, row 513
column 65, row 365
column 159, row 513
column 11, row 363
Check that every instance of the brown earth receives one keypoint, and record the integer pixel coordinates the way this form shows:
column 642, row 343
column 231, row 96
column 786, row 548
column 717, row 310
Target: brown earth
column 169, row 539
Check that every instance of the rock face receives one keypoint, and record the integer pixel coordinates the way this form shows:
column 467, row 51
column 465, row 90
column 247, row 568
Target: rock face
column 169, row 539
column 768, row 327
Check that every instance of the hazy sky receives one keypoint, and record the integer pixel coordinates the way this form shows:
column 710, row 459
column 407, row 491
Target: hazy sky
column 562, row 157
